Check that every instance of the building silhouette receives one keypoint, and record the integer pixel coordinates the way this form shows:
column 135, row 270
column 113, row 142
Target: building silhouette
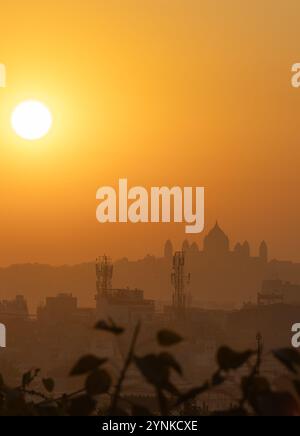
column 277, row 291
column 168, row 250
column 223, row 274
column 216, row 242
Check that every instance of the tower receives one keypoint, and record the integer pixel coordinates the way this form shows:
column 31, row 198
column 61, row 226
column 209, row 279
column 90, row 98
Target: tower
column 168, row 252
column 104, row 274
column 238, row 249
column 179, row 280
column 246, row 249
column 263, row 252
column 185, row 246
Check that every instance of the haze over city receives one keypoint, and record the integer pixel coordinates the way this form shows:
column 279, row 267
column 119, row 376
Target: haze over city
column 183, row 93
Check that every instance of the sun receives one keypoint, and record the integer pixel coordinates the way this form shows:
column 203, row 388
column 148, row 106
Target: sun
column 31, row 120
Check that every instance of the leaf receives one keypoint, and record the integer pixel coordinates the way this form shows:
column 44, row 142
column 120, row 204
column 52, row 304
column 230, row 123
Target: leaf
column 258, row 384
column 82, row 406
column 168, row 360
column 49, row 384
column 167, row 338
column 29, row 376
column 26, row 379
column 87, row 364
column 172, row 389
column 229, row 359
column 253, row 387
column 98, row 382
column 289, row 357
column 153, row 369
column 156, row 369
column 110, row 328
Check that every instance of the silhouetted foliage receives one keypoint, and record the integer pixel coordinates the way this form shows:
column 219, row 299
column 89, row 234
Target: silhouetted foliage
column 49, row 384
column 109, row 327
column 167, row 338
column 289, row 357
column 229, row 359
column 258, row 397
column 87, row 364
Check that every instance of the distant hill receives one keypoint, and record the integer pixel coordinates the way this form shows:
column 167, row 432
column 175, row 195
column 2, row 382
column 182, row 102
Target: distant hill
column 218, row 281
column 37, row 281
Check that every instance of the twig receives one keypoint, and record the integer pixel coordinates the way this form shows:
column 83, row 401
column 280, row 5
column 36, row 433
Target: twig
column 57, row 400
column 254, row 373
column 36, row 394
column 123, row 373
column 162, row 401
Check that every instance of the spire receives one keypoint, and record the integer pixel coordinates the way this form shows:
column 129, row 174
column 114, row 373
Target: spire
column 168, row 251
column 185, row 246
column 238, row 248
column 246, row 249
column 263, row 251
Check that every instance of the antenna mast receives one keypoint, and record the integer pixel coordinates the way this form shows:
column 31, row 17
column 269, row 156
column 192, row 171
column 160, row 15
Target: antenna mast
column 104, row 274
column 179, row 280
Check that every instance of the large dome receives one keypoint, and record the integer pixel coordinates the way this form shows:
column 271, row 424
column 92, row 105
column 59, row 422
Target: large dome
column 216, row 241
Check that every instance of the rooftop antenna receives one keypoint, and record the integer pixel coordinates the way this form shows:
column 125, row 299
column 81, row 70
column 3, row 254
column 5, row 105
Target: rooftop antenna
column 104, row 274
column 179, row 280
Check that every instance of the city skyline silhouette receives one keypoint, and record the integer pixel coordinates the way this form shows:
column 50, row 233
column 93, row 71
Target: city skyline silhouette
column 222, row 274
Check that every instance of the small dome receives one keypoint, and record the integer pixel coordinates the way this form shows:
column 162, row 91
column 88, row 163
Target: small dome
column 263, row 251
column 216, row 240
column 246, row 249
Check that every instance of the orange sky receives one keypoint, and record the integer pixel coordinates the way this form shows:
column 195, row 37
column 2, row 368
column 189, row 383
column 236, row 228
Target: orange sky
column 181, row 92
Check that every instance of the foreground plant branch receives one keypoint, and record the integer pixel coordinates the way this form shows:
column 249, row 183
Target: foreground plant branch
column 128, row 361
column 258, row 397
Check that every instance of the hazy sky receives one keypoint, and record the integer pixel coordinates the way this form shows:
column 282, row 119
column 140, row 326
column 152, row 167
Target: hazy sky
column 188, row 92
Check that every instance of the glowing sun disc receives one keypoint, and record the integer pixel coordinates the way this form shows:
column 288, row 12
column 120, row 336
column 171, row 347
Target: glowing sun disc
column 31, row 120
